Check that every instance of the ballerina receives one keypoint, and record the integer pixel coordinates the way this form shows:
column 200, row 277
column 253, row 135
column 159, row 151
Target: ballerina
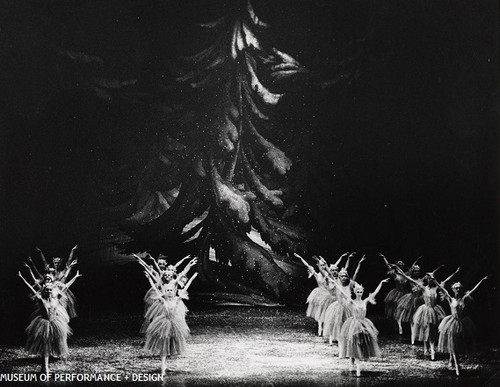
column 166, row 334
column 427, row 317
column 456, row 330
column 358, row 336
column 318, row 294
column 393, row 296
column 340, row 310
column 49, row 329
column 161, row 274
column 408, row 303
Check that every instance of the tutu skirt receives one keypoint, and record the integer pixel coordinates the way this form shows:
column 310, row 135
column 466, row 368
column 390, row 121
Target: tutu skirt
column 425, row 322
column 154, row 309
column 456, row 335
column 315, row 301
column 407, row 305
column 358, row 339
column 335, row 316
column 166, row 335
column 48, row 336
column 391, row 302
column 68, row 300
column 323, row 307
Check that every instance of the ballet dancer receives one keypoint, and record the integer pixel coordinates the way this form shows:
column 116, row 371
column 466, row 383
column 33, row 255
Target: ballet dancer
column 358, row 336
column 340, row 310
column 166, row 334
column 456, row 330
column 427, row 317
column 49, row 328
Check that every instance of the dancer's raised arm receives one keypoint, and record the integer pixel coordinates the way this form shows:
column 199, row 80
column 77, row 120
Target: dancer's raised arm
column 436, row 269
column 446, row 295
column 181, row 261
column 67, row 285
column 389, row 267
column 35, row 280
column 310, row 268
column 363, row 258
column 349, row 260
column 45, row 264
column 469, row 292
column 399, row 271
column 35, row 269
column 190, row 264
column 146, row 267
column 415, row 262
column 377, row 289
column 443, row 283
column 35, row 293
column 341, row 258
column 71, row 256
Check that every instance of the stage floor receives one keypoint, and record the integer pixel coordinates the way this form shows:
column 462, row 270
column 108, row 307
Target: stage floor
column 251, row 346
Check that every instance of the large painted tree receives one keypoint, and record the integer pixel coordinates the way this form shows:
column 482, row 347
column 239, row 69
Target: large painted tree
column 224, row 175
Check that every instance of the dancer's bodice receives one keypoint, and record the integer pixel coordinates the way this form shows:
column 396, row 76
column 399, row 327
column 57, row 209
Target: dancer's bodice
column 457, row 307
column 359, row 309
column 430, row 296
column 170, row 305
column 400, row 282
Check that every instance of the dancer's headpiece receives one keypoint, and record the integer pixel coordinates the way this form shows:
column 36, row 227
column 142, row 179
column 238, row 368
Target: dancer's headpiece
column 457, row 285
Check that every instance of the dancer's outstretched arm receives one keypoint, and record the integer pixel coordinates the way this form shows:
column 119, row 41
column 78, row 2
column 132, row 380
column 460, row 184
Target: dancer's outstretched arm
column 146, row 267
column 188, row 284
column 415, row 262
column 363, row 258
column 446, row 295
column 310, row 268
column 377, row 289
column 468, row 293
column 389, row 267
column 188, row 267
column 35, row 293
column 181, row 261
column 436, row 269
column 443, row 283
column 398, row 269
column 72, row 280
column 35, row 280
column 71, row 256
column 35, row 269
column 341, row 258
column 45, row 264
column 349, row 260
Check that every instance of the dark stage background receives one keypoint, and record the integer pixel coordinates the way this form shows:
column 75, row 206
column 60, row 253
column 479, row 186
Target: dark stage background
column 402, row 160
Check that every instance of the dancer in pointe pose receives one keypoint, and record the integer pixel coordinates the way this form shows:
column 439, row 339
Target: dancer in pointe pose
column 408, row 303
column 358, row 336
column 456, row 330
column 427, row 317
column 394, row 295
column 162, row 274
column 340, row 310
column 60, row 272
column 49, row 328
column 166, row 334
column 319, row 294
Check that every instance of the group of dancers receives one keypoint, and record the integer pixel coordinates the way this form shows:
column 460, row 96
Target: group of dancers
column 340, row 316
column 414, row 300
column 54, row 306
column 164, row 324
